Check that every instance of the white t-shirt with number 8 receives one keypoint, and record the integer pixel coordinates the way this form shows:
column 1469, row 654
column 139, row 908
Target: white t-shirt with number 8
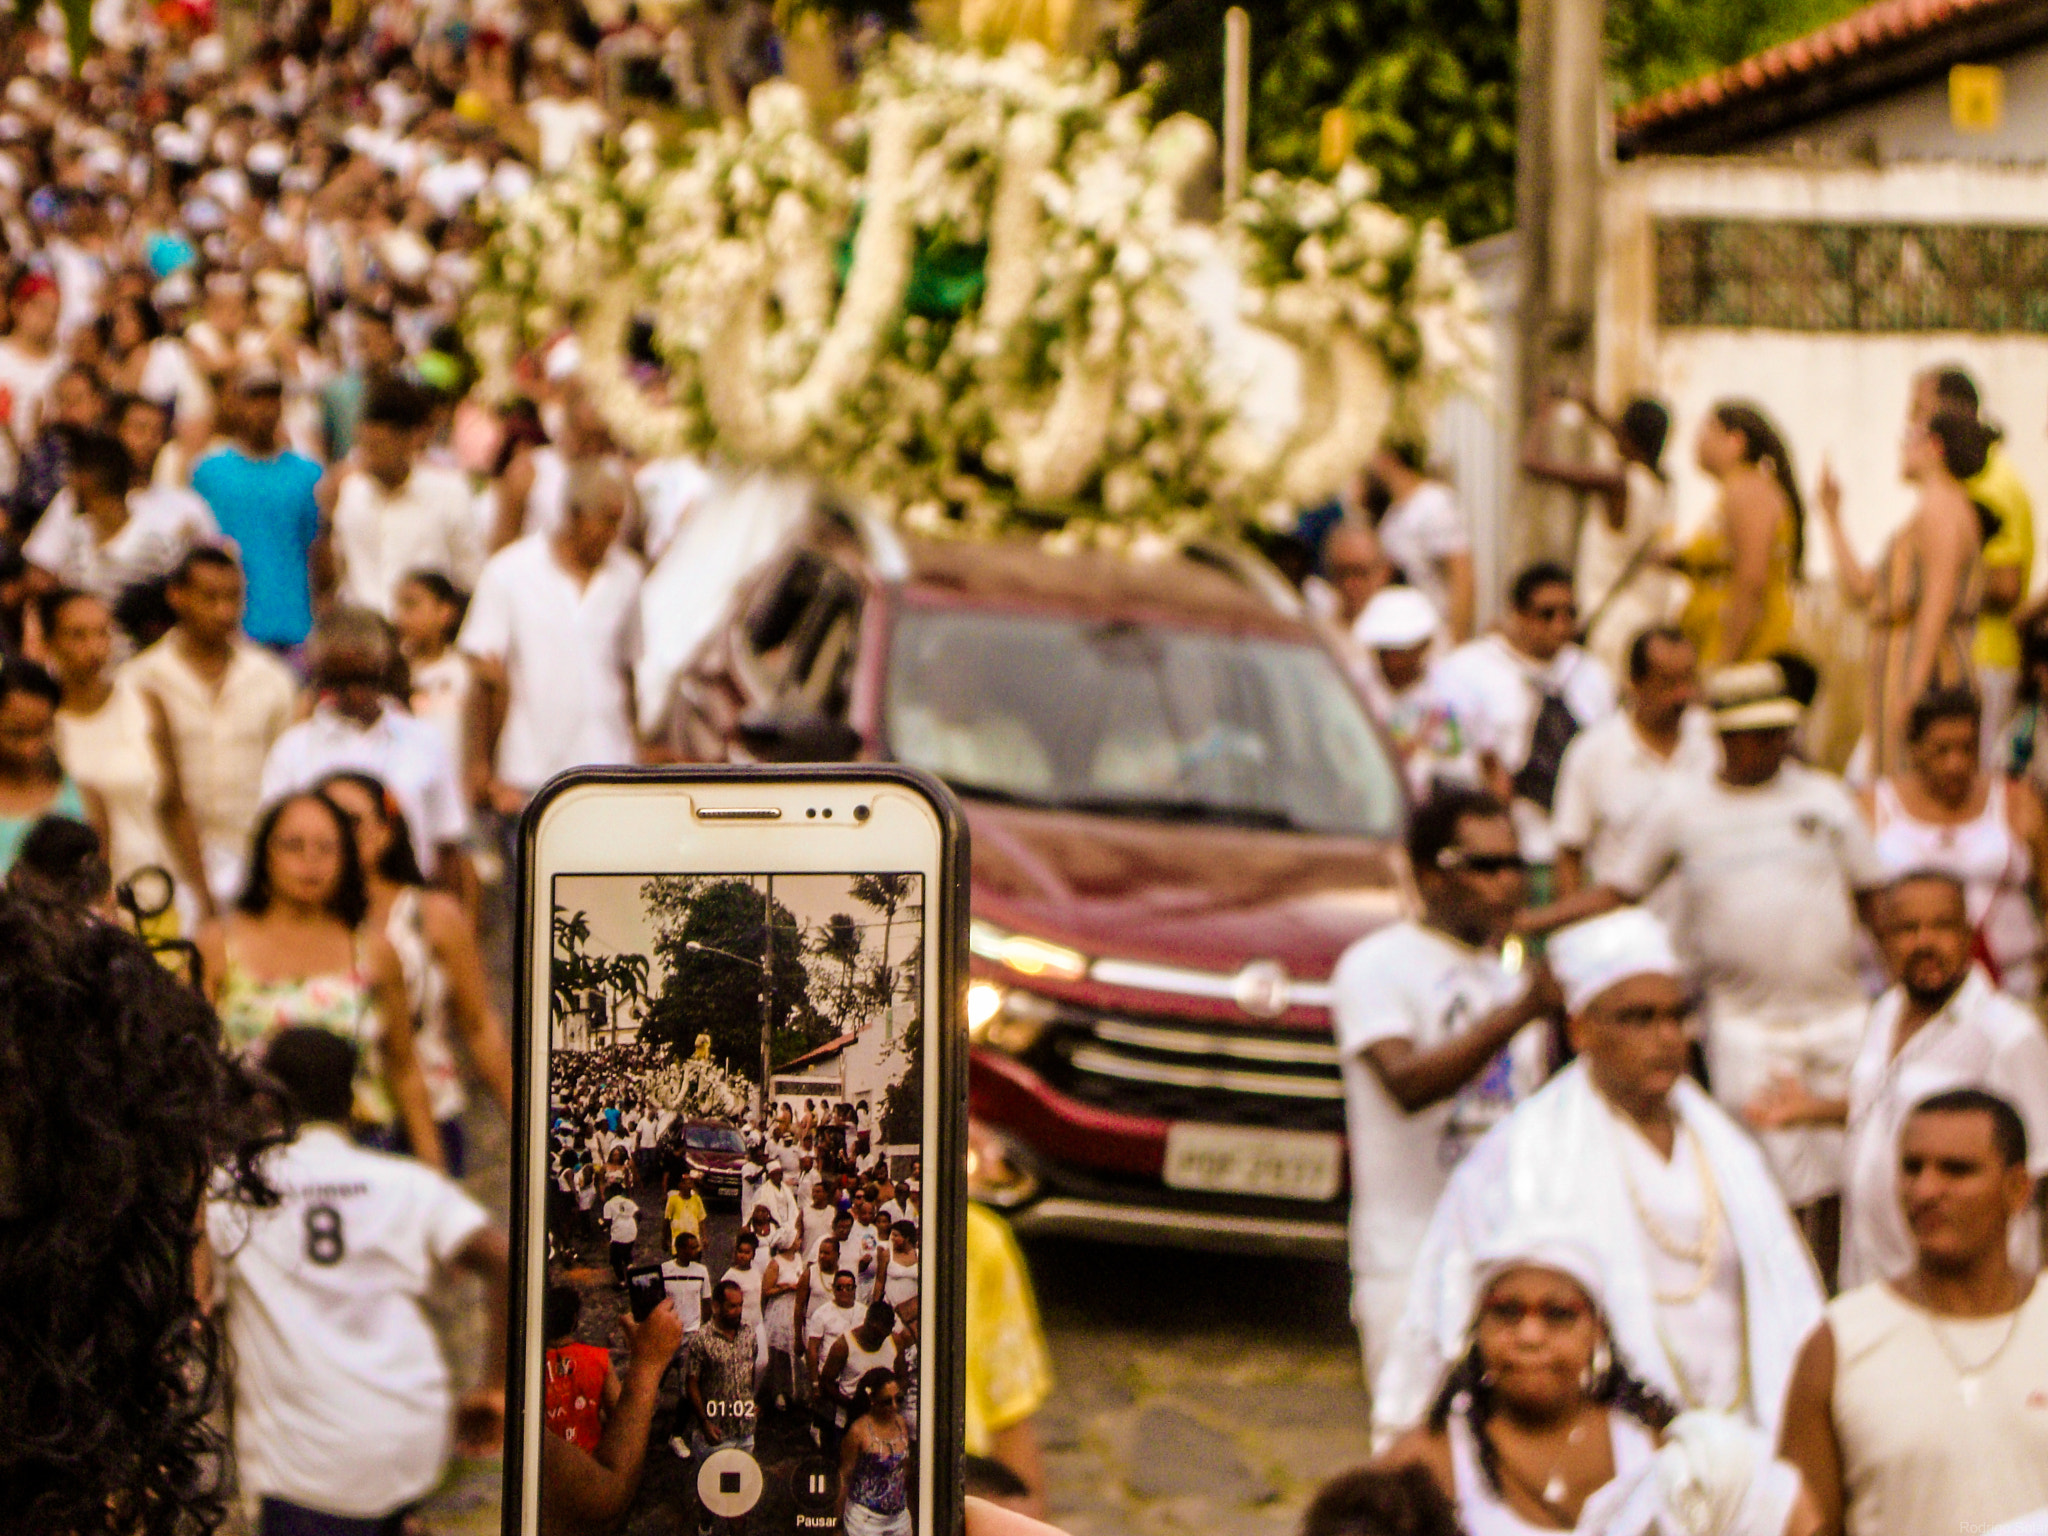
column 342, row 1399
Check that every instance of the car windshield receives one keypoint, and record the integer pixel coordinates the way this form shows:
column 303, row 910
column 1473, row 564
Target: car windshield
column 713, row 1138
column 1137, row 719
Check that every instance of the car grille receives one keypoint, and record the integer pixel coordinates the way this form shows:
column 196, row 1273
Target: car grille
column 1171, row 1070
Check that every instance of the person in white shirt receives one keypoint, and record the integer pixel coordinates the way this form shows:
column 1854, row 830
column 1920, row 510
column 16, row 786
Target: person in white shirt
column 1524, row 692
column 1917, row 1403
column 1942, row 1026
column 224, row 703
column 814, row 1220
column 1613, row 771
column 688, row 1282
column 343, row 1405
column 1397, row 634
column 745, row 1271
column 863, row 1245
column 622, row 1212
column 1424, row 533
column 1774, row 869
column 553, row 630
column 30, row 358
column 904, row 1207
column 393, row 515
column 838, row 1315
column 105, row 533
column 1622, row 585
column 354, row 726
column 1437, row 1041
column 1709, row 1285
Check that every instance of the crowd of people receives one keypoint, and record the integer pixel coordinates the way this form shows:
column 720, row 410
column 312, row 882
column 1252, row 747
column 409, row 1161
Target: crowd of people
column 1697, row 1120
column 1710, row 1086
column 804, row 1347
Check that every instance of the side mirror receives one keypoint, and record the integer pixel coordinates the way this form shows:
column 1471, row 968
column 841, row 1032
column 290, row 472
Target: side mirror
column 772, row 736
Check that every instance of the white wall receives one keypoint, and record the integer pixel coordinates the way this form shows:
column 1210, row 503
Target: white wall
column 1914, row 124
column 1837, row 396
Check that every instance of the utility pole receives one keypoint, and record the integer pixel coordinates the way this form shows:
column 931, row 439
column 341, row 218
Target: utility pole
column 767, row 990
column 1560, row 146
column 1237, row 100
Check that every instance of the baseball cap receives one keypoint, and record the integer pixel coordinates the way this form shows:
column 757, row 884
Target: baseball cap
column 1396, row 619
column 1751, row 697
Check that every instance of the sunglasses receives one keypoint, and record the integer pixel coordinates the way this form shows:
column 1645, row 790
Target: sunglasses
column 1482, row 863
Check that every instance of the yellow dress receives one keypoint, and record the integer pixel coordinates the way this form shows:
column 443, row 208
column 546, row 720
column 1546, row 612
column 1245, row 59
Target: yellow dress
column 1709, row 560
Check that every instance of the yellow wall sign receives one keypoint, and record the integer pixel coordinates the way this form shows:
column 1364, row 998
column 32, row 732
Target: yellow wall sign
column 1339, row 138
column 1976, row 98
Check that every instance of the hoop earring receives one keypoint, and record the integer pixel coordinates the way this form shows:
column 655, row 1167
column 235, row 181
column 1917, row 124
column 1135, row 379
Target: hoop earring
column 1598, row 1368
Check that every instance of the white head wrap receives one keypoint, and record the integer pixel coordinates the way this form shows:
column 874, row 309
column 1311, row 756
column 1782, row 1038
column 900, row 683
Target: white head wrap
column 1592, row 956
column 1551, row 1248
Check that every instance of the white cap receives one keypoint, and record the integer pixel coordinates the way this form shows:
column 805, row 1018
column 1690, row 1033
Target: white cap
column 1396, row 619
column 1592, row 956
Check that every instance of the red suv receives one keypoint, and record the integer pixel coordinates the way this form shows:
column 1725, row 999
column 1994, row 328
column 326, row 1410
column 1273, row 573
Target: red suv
column 1181, row 816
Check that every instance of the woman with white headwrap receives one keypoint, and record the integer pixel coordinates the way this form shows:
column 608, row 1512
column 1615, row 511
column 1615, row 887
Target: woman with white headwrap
column 1540, row 1425
column 1708, row 1288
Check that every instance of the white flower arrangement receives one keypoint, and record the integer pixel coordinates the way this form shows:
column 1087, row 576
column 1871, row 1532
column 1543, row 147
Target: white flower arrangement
column 974, row 304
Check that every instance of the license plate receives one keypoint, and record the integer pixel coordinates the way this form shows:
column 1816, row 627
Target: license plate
column 1230, row 1160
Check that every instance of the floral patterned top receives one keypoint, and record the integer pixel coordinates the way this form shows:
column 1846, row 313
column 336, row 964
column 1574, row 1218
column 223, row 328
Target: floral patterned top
column 253, row 1008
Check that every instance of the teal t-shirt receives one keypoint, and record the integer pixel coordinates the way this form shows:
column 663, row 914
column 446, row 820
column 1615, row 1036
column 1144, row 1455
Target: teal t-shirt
column 14, row 830
column 268, row 508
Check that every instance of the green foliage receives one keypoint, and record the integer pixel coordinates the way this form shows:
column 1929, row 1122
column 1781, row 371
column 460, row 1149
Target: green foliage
column 716, row 990
column 1655, row 44
column 1430, row 84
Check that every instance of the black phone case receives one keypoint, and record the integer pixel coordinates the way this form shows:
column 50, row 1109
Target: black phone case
column 941, row 1424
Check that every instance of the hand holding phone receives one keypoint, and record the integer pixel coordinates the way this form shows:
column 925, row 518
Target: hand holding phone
column 737, row 987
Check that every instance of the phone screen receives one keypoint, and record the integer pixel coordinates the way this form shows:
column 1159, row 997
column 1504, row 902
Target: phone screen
column 736, row 1085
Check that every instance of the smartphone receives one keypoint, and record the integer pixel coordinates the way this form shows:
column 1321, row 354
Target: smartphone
column 737, row 985
column 644, row 1290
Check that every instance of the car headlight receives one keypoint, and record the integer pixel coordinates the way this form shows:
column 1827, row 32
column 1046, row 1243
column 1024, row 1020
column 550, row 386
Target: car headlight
column 1007, row 1018
column 1024, row 954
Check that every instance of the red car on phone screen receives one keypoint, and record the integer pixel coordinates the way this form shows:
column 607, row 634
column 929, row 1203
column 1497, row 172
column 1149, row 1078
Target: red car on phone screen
column 1181, row 816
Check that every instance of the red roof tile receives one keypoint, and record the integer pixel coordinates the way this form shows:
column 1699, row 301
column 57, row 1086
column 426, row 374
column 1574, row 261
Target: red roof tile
column 1875, row 27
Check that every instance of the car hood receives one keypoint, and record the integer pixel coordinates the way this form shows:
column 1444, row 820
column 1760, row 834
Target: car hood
column 1212, row 898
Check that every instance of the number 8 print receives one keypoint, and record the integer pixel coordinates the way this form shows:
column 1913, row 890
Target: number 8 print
column 324, row 1243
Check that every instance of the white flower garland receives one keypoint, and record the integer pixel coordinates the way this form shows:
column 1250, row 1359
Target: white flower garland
column 975, row 304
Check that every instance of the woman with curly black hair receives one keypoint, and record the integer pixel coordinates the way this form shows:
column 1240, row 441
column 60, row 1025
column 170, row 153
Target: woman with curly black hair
column 117, row 1110
column 1540, row 1426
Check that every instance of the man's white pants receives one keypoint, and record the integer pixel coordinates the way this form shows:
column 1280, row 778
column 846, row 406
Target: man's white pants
column 1748, row 1050
column 1377, row 1301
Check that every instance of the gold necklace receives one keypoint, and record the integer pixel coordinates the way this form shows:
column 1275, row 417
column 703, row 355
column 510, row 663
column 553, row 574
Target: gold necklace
column 1705, row 1253
column 1967, row 1376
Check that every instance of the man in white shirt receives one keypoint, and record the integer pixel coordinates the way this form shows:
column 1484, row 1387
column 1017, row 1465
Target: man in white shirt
column 1524, row 692
column 688, row 1282
column 779, row 1201
column 1435, row 1042
column 746, row 1271
column 355, row 728
column 393, row 515
column 863, row 1244
column 30, row 358
column 106, row 531
column 1396, row 635
column 343, row 1403
column 1709, row 1286
column 1917, row 1403
column 224, row 703
column 1424, row 533
column 1774, row 868
column 1944, row 1025
column 830, row 1321
column 1613, row 771
column 622, row 1213
column 553, row 630
column 814, row 1221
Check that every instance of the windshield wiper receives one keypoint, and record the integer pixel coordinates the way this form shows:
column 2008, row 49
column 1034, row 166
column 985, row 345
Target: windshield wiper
column 1165, row 808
